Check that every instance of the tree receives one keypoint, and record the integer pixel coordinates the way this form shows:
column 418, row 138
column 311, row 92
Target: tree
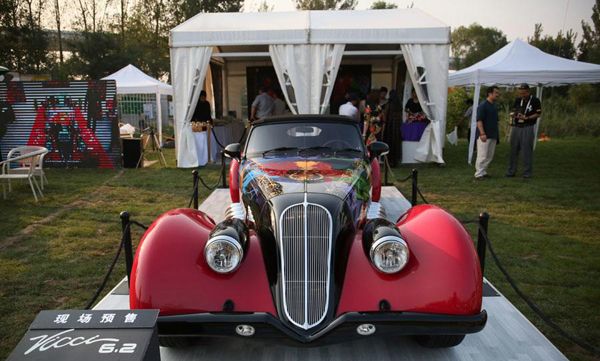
column 264, row 7
column 475, row 43
column 326, row 4
column 57, row 14
column 182, row 10
column 25, row 43
column 562, row 45
column 150, row 40
column 589, row 47
column 383, row 5
column 99, row 54
column 89, row 18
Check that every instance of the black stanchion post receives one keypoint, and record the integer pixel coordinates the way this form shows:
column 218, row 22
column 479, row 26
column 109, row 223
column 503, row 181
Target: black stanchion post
column 127, row 244
column 223, row 167
column 195, row 175
column 415, row 181
column 484, row 218
column 385, row 172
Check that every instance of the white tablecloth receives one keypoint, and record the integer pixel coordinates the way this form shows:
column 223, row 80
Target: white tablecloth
column 201, row 148
column 227, row 134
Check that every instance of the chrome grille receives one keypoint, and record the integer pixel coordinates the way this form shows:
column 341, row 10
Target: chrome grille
column 305, row 233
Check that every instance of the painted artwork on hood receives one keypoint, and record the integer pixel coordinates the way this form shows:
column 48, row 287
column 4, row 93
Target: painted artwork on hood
column 338, row 176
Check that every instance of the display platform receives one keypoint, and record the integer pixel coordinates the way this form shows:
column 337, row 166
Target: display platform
column 508, row 335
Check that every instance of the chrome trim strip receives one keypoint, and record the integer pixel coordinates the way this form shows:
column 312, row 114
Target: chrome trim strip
column 306, row 324
column 375, row 210
column 236, row 210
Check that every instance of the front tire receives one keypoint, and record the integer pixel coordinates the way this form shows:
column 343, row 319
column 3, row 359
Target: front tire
column 439, row 341
column 177, row 342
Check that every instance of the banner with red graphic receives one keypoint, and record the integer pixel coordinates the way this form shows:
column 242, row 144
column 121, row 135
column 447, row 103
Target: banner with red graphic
column 76, row 121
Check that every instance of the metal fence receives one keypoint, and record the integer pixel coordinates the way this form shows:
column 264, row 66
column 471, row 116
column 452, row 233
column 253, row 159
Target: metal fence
column 140, row 110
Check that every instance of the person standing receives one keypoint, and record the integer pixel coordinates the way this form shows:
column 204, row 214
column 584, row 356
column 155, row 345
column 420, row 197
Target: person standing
column 349, row 109
column 7, row 116
column 279, row 106
column 202, row 112
column 487, row 132
column 525, row 112
column 414, row 109
column 383, row 91
column 374, row 119
column 393, row 126
column 262, row 106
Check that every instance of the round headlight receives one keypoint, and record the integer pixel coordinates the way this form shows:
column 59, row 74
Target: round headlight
column 223, row 254
column 389, row 254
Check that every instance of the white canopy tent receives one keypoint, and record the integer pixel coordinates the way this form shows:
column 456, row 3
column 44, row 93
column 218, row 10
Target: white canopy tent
column 519, row 62
column 306, row 48
column 131, row 80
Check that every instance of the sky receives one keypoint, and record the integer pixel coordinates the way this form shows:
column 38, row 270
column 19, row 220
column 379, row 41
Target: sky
column 516, row 18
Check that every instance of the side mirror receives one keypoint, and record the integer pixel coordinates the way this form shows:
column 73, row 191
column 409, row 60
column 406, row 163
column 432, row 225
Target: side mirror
column 233, row 151
column 377, row 149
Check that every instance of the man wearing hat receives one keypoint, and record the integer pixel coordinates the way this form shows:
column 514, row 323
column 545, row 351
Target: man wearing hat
column 349, row 109
column 525, row 112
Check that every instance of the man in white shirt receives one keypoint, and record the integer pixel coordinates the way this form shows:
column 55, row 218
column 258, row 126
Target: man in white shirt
column 349, row 109
column 262, row 106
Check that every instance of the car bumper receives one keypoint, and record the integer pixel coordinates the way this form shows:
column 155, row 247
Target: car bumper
column 343, row 328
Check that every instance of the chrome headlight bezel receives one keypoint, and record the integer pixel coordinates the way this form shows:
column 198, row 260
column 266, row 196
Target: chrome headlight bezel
column 237, row 247
column 388, row 241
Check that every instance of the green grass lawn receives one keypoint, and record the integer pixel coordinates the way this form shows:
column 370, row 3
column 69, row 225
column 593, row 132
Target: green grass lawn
column 545, row 231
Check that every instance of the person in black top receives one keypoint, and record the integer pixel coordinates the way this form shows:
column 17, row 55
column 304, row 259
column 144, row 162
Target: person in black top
column 7, row 116
column 487, row 132
column 412, row 105
column 202, row 112
column 525, row 112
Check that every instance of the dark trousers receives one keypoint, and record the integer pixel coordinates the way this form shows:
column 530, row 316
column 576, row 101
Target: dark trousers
column 521, row 139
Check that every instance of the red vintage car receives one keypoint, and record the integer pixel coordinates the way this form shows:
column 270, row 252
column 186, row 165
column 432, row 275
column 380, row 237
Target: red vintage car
column 305, row 252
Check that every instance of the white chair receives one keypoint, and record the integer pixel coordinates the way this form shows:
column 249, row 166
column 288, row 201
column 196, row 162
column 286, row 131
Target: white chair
column 24, row 166
column 32, row 158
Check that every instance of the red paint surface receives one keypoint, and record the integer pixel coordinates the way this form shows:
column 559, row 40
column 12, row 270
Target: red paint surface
column 442, row 276
column 376, row 171
column 234, row 181
column 171, row 274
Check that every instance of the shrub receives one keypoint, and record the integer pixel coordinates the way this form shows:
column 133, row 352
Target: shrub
column 457, row 98
column 581, row 94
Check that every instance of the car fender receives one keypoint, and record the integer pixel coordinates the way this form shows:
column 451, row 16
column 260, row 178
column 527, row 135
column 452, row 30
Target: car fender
column 442, row 275
column 170, row 272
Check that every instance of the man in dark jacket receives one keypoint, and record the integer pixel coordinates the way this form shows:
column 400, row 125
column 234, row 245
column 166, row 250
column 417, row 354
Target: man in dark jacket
column 487, row 132
column 525, row 112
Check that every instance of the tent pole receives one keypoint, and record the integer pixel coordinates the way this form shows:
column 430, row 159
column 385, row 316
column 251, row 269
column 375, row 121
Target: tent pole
column 474, row 121
column 159, row 119
column 539, row 90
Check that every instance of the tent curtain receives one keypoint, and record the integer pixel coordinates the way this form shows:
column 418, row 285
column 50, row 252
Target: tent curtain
column 304, row 94
column 188, row 69
column 428, row 69
column 327, row 61
column 407, row 93
column 474, row 120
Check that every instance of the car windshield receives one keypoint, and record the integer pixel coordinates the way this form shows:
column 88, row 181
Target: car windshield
column 289, row 137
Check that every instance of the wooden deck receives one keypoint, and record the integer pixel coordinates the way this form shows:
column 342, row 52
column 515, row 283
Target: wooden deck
column 508, row 335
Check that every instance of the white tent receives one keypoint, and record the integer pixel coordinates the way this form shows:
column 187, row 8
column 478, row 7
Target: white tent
column 519, row 62
column 131, row 80
column 306, row 48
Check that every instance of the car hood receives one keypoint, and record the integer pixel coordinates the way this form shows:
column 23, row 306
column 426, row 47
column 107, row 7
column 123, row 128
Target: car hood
column 338, row 176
